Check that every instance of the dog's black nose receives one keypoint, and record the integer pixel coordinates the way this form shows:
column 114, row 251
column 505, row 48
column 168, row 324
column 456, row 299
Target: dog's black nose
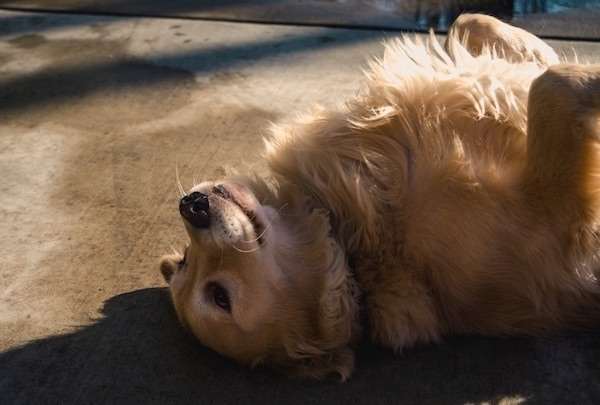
column 194, row 209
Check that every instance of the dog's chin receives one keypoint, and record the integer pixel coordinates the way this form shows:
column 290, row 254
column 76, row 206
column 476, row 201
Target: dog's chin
column 235, row 215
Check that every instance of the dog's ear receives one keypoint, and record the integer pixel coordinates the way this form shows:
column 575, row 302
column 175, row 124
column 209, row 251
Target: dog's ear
column 168, row 265
column 327, row 352
column 339, row 306
column 323, row 324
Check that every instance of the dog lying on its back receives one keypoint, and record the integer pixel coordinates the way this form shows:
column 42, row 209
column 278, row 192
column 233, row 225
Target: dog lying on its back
column 457, row 194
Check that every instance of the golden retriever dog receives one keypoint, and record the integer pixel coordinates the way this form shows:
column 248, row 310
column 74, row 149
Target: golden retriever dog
column 457, row 193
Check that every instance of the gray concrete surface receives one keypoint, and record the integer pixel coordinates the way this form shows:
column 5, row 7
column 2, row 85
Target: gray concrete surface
column 97, row 117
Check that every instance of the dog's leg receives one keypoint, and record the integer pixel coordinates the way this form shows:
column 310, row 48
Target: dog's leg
column 563, row 166
column 478, row 31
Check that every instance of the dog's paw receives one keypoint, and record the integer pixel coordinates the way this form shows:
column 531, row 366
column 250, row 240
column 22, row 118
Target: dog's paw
column 478, row 31
column 401, row 315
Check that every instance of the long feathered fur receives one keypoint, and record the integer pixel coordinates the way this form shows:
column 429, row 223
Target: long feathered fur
column 454, row 192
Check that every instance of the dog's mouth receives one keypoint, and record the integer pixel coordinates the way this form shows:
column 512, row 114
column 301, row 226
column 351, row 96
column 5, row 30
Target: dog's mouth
column 246, row 206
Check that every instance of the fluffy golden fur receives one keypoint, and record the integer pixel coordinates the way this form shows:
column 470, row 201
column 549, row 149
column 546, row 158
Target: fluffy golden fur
column 456, row 194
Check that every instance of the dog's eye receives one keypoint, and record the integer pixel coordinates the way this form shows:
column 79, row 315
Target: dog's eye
column 220, row 297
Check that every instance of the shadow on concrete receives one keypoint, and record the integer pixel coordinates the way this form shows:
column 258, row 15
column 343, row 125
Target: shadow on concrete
column 16, row 23
column 89, row 66
column 138, row 352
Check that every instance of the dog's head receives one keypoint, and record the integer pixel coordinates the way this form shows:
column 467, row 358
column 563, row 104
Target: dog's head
column 264, row 285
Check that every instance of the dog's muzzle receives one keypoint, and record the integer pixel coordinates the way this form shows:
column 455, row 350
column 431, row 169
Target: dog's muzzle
column 194, row 209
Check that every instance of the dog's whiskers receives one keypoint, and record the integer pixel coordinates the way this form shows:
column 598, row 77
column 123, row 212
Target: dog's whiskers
column 245, row 250
column 176, row 248
column 258, row 237
column 195, row 178
column 251, row 241
column 179, row 185
column 264, row 231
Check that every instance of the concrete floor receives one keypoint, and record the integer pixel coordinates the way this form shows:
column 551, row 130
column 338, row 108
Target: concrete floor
column 567, row 19
column 98, row 115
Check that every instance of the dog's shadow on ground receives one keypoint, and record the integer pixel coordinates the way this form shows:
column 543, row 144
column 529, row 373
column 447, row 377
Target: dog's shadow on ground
column 138, row 353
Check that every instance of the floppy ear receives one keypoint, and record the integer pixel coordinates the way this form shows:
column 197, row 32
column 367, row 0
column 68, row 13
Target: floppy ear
column 168, row 265
column 327, row 352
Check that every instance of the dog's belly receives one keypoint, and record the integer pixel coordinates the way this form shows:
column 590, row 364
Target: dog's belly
column 471, row 247
column 494, row 265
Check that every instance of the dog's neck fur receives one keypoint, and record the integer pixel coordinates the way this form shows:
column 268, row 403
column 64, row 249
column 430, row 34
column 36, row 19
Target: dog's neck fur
column 315, row 228
column 350, row 181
